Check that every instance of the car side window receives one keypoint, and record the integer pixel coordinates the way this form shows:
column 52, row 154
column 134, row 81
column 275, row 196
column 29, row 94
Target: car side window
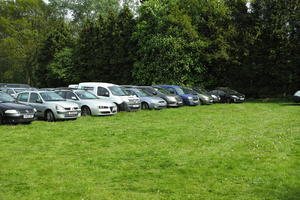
column 34, row 97
column 69, row 95
column 102, row 91
column 23, row 97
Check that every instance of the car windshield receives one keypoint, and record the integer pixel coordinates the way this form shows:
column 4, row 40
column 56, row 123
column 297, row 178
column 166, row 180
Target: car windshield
column 51, row 96
column 146, row 92
column 142, row 93
column 163, row 90
column 179, row 91
column 188, row 91
column 229, row 91
column 201, row 90
column 85, row 95
column 4, row 98
column 117, row 91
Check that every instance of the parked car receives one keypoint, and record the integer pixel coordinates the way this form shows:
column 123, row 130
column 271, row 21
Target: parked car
column 228, row 95
column 73, row 86
column 188, row 99
column 297, row 97
column 49, row 105
column 13, row 112
column 171, row 99
column 148, row 100
column 215, row 98
column 204, row 99
column 89, row 103
column 113, row 93
column 14, row 91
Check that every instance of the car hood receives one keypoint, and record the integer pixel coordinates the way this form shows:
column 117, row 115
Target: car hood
column 14, row 106
column 64, row 104
column 98, row 102
column 152, row 99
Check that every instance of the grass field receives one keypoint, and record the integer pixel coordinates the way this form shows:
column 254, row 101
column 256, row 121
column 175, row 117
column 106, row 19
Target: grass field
column 237, row 151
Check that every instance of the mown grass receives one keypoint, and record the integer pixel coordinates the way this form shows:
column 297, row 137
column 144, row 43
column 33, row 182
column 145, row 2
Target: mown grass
column 236, row 151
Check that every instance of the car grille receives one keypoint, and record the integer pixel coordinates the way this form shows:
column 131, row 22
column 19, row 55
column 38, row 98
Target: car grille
column 75, row 108
column 195, row 99
column 26, row 111
column 103, row 107
column 161, row 102
column 133, row 101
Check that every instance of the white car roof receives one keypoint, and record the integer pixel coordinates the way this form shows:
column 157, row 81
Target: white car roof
column 95, row 84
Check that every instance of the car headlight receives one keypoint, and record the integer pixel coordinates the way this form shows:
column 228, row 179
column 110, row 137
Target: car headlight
column 12, row 112
column 190, row 98
column 58, row 107
column 234, row 96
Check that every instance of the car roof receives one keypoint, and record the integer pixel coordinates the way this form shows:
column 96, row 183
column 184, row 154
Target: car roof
column 97, row 84
column 172, row 86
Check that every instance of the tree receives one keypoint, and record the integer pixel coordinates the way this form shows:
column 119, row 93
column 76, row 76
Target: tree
column 22, row 25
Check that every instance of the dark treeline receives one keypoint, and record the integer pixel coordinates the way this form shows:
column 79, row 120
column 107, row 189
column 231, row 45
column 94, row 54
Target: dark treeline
column 252, row 47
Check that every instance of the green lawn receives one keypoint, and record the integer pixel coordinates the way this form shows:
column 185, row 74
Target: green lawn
column 222, row 151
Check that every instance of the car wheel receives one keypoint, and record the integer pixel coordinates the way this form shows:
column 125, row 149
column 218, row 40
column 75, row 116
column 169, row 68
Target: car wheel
column 145, row 106
column 85, row 111
column 49, row 116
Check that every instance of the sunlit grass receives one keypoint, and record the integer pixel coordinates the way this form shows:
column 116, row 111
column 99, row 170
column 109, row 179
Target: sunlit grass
column 236, row 151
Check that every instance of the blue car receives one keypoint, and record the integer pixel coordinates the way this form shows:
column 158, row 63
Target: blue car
column 188, row 99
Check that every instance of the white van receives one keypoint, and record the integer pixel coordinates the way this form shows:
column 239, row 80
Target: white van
column 114, row 93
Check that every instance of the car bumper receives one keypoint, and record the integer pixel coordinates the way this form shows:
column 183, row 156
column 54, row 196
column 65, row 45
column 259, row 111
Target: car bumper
column 19, row 118
column 104, row 111
column 191, row 103
column 129, row 106
column 175, row 104
column 67, row 114
column 207, row 102
column 241, row 100
column 296, row 99
column 158, row 106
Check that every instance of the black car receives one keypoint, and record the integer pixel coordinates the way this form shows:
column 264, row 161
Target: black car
column 228, row 95
column 13, row 112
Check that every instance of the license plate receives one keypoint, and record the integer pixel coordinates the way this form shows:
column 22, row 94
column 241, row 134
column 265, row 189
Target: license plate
column 135, row 106
column 242, row 99
column 28, row 116
column 72, row 113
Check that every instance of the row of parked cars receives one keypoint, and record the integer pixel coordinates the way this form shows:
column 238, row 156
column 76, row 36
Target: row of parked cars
column 19, row 103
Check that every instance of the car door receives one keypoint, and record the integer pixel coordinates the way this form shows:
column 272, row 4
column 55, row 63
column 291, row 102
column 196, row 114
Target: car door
column 103, row 93
column 36, row 101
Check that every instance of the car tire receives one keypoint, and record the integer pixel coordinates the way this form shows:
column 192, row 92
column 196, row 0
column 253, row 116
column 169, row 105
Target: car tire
column 85, row 111
column 145, row 106
column 49, row 116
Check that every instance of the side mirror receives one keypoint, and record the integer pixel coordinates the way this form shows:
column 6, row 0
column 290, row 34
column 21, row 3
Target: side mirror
column 154, row 93
column 73, row 98
column 39, row 101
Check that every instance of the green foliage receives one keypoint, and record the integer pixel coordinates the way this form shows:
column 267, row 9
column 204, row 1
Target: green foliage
column 104, row 50
column 205, row 152
column 56, row 41
column 21, row 30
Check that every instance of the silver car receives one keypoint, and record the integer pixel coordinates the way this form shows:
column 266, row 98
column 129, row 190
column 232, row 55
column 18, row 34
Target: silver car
column 49, row 105
column 89, row 103
column 148, row 100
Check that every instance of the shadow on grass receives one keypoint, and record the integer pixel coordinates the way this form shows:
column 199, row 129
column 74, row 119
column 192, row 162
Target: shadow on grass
column 289, row 104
